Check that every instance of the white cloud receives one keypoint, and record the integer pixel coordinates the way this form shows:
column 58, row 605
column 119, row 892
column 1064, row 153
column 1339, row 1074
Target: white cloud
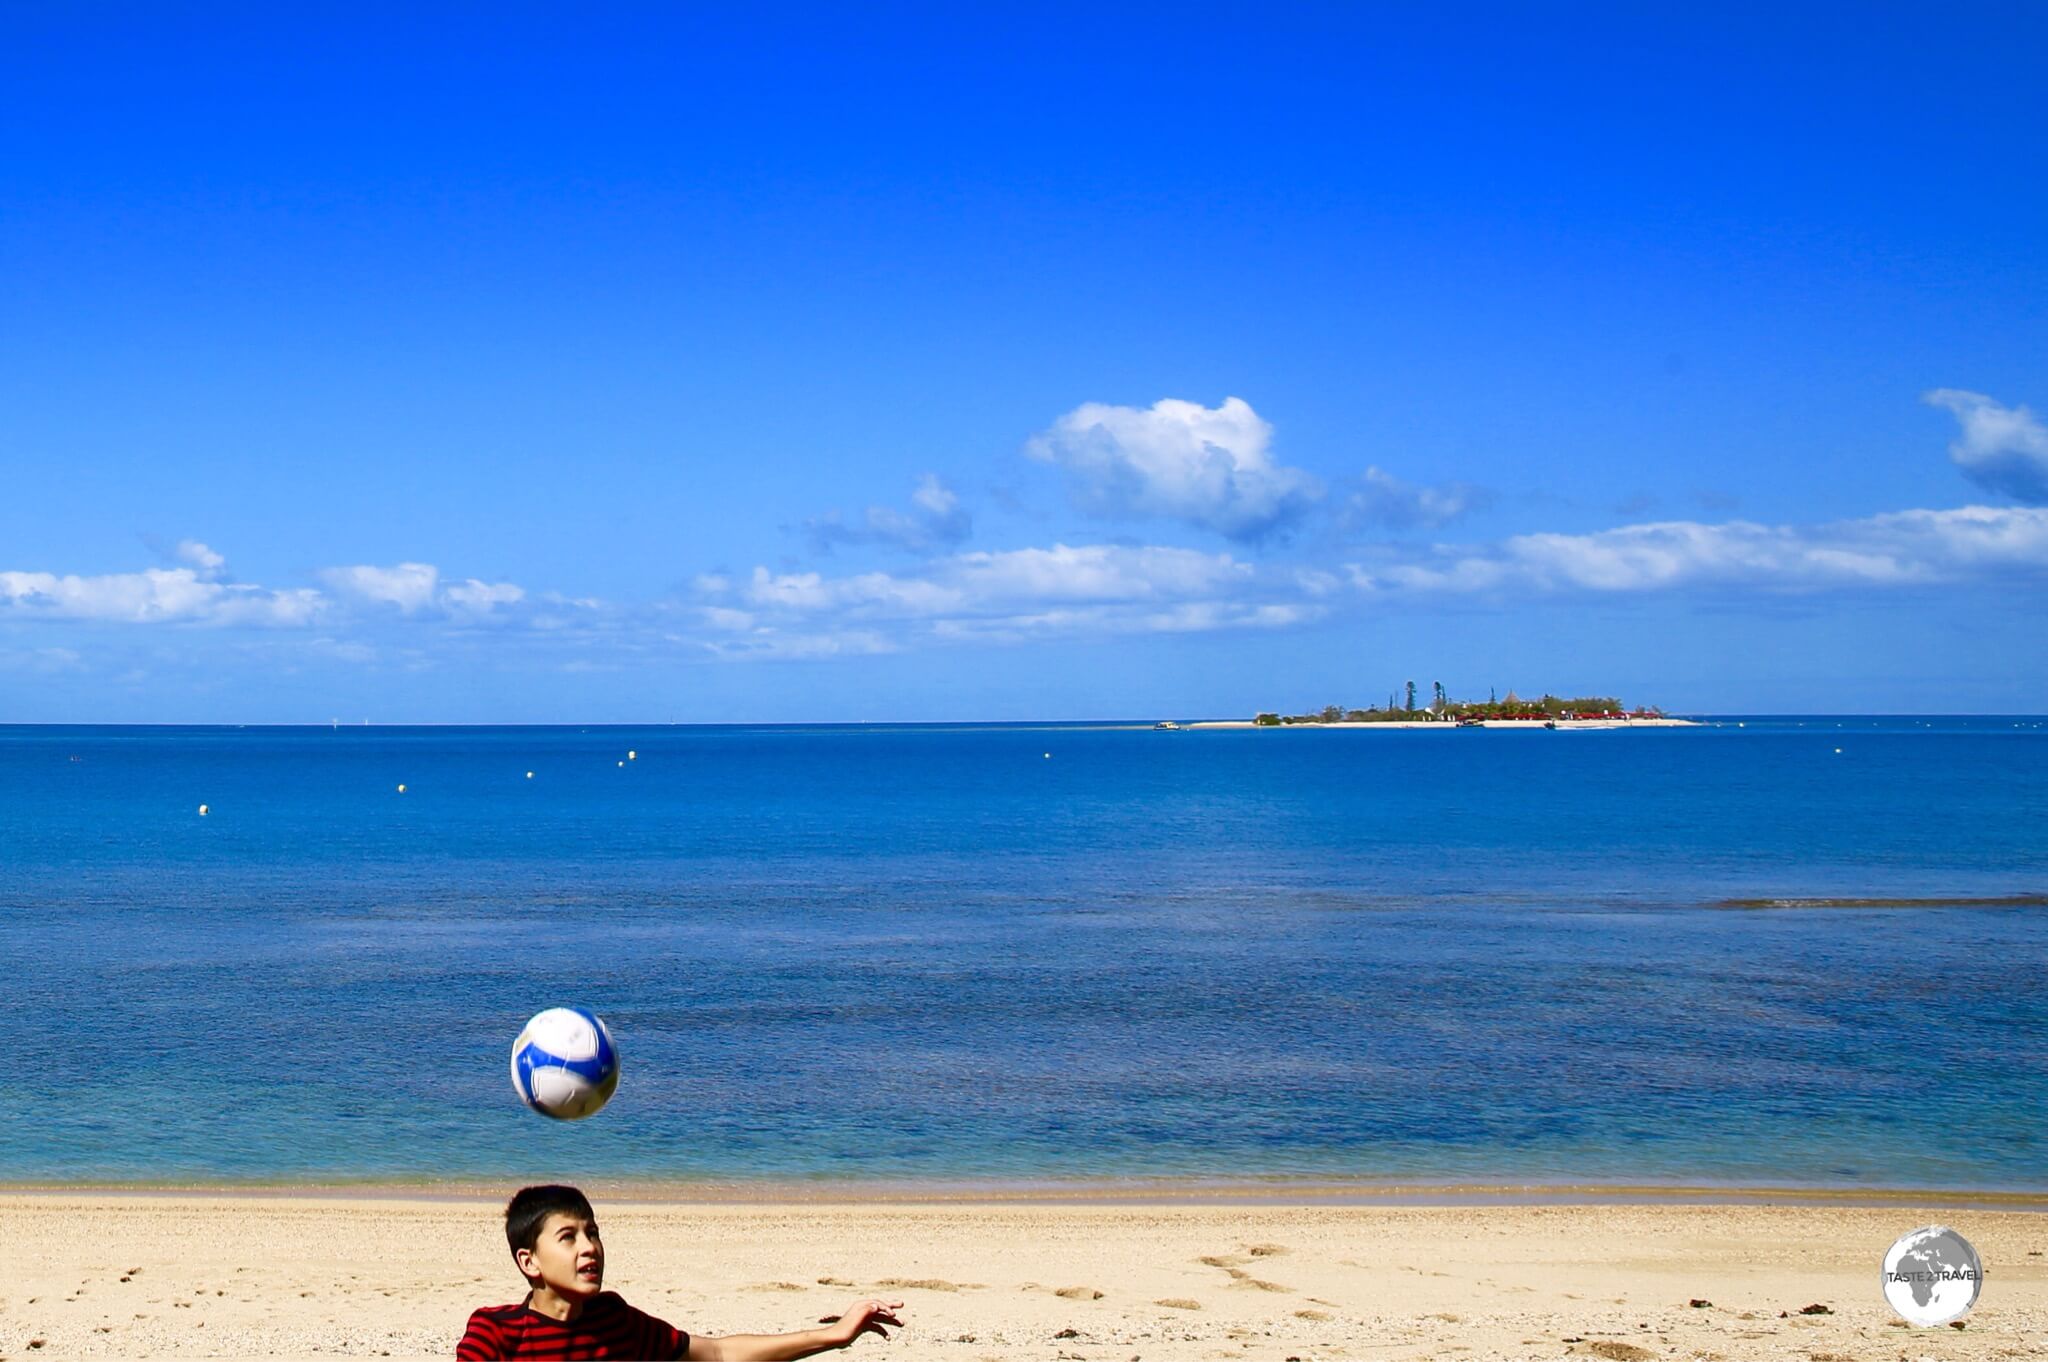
column 1016, row 595
column 871, row 592
column 152, row 596
column 1385, row 500
column 205, row 562
column 934, row 498
column 347, row 650
column 409, row 586
column 417, row 587
column 1900, row 548
column 1316, row 582
column 1092, row 572
column 2004, row 449
column 978, row 583
column 1209, row 467
column 936, row 520
column 726, row 620
column 1183, row 618
column 480, row 598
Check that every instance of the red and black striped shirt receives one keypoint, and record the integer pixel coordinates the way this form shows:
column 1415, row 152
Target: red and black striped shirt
column 608, row 1327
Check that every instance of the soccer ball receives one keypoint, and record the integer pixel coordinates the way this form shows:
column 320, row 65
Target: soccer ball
column 564, row 1064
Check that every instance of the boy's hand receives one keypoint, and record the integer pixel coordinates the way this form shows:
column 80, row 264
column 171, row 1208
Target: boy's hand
column 864, row 1317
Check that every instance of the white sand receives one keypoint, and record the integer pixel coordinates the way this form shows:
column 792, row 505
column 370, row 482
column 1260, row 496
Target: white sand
column 245, row 1275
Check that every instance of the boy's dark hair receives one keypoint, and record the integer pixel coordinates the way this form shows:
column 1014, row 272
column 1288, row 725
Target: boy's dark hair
column 530, row 1207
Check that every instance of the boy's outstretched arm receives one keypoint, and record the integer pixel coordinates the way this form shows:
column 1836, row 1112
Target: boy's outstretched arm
column 862, row 1317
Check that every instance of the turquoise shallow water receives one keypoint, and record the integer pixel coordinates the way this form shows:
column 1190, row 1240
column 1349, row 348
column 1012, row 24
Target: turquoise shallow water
column 937, row 954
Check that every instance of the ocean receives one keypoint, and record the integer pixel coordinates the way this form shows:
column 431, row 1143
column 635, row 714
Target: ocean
column 1034, row 955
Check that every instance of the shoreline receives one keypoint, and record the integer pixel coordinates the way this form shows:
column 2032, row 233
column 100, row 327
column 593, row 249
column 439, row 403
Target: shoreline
column 1164, row 1194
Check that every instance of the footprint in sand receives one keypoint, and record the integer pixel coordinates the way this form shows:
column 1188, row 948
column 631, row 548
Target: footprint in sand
column 1251, row 1283
column 822, row 1281
column 775, row 1286
column 1079, row 1293
column 928, row 1284
column 1266, row 1250
column 1620, row 1352
column 1312, row 1314
column 1179, row 1303
column 1238, row 1276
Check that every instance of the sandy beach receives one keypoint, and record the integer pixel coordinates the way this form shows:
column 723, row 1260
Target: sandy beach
column 302, row 1275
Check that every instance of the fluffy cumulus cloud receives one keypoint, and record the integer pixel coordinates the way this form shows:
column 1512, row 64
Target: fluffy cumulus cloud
column 201, row 593
column 1901, row 548
column 480, row 598
column 154, row 596
column 936, row 520
column 1385, row 501
column 409, row 586
column 418, row 587
column 2004, row 449
column 203, row 560
column 1210, row 467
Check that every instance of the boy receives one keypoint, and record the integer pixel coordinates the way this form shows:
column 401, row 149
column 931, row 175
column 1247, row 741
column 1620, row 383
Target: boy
column 567, row 1313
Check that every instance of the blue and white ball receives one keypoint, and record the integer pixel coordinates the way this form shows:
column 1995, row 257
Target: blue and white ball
column 564, row 1064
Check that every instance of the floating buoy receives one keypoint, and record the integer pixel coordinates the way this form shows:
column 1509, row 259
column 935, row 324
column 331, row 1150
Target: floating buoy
column 1838, row 751
column 632, row 756
column 622, row 764
column 202, row 811
column 401, row 789
column 529, row 775
column 1048, row 756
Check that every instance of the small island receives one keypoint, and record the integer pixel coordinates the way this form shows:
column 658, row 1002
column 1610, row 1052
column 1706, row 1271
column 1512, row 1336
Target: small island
column 1442, row 712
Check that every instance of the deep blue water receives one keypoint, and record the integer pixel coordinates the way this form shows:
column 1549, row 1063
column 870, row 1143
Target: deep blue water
column 936, row 953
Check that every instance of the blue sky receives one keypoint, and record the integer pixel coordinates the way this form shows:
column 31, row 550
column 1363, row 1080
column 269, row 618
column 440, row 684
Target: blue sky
column 520, row 365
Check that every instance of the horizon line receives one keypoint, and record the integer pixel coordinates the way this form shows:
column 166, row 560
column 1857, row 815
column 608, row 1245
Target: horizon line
column 923, row 723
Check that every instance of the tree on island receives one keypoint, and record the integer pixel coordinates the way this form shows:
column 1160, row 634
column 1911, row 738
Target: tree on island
column 1444, row 709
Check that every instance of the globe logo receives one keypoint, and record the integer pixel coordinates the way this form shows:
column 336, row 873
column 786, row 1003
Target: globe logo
column 1932, row 1276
